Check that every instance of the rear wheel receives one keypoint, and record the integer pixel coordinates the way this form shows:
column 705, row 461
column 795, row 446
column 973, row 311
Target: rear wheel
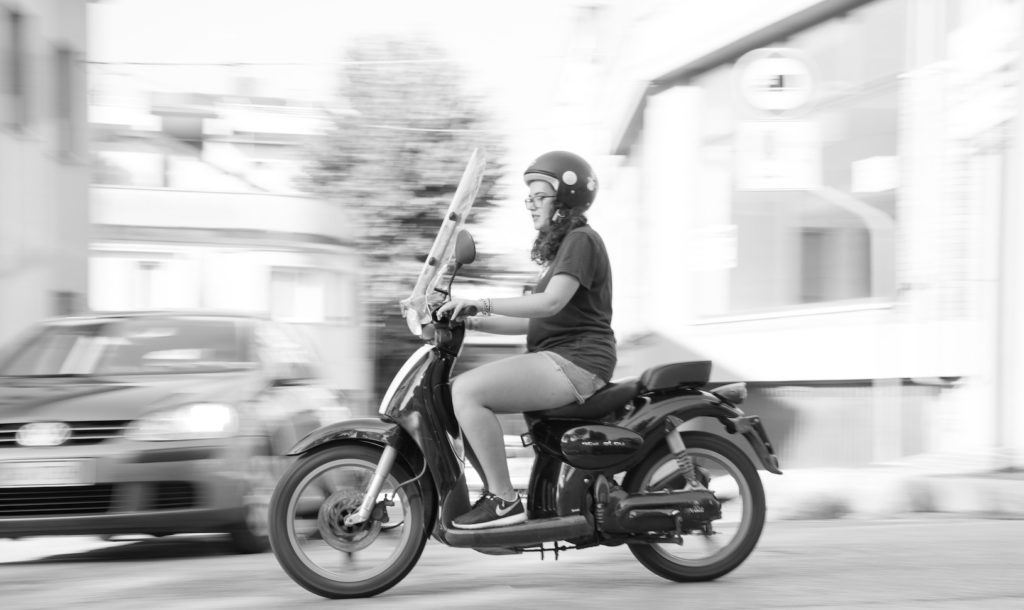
column 727, row 472
column 313, row 544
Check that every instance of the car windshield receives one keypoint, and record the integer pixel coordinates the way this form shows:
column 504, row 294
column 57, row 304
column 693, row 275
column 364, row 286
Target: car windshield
column 118, row 346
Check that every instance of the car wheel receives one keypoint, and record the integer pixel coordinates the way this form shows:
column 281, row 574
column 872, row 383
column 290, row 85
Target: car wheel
column 251, row 534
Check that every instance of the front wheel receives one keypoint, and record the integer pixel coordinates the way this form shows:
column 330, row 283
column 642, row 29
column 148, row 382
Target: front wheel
column 727, row 472
column 315, row 547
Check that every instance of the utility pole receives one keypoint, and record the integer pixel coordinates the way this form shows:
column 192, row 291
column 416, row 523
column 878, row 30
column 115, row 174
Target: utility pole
column 1009, row 420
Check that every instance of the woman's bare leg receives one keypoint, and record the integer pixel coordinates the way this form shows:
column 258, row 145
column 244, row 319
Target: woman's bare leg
column 529, row 382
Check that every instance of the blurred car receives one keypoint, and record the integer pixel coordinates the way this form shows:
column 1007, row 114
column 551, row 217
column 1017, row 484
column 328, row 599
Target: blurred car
column 153, row 423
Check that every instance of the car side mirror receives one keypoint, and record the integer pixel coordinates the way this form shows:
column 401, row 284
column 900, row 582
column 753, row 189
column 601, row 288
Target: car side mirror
column 465, row 248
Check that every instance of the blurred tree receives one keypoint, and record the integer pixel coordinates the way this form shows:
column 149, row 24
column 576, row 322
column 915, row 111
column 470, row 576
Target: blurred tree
column 394, row 158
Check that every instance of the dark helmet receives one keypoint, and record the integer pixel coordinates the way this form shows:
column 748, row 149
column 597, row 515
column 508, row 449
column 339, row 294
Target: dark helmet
column 573, row 179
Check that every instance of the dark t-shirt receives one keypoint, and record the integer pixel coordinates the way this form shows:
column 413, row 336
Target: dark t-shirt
column 581, row 332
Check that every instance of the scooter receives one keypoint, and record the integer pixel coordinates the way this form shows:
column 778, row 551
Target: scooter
column 352, row 514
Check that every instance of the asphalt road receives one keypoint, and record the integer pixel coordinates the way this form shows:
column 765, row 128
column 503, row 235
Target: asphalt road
column 921, row 562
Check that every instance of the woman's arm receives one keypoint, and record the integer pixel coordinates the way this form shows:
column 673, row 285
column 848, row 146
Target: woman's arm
column 500, row 325
column 538, row 305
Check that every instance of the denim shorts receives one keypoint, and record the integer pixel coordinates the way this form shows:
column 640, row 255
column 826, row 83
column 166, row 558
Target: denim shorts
column 583, row 382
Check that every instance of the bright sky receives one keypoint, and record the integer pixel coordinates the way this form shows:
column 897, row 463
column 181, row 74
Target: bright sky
column 510, row 48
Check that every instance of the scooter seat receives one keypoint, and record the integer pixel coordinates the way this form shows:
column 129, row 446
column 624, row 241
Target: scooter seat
column 676, row 375
column 603, row 402
column 614, row 395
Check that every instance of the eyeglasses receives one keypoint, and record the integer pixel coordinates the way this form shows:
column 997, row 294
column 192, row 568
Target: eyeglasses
column 532, row 201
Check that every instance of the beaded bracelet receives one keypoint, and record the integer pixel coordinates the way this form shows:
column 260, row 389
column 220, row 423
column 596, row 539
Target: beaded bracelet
column 488, row 307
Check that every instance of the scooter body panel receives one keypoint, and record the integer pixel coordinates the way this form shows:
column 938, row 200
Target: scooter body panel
column 649, row 421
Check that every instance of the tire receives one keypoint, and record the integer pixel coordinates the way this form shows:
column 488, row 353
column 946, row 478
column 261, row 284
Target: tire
column 250, row 534
column 735, row 481
column 308, row 507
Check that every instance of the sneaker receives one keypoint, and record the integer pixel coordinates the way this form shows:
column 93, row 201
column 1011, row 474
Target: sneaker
column 491, row 511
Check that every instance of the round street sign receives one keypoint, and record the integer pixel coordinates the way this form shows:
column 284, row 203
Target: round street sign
column 776, row 80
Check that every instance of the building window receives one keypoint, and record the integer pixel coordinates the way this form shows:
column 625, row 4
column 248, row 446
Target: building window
column 64, row 92
column 342, row 302
column 149, row 281
column 834, row 264
column 142, row 280
column 66, row 302
column 297, row 294
column 14, row 53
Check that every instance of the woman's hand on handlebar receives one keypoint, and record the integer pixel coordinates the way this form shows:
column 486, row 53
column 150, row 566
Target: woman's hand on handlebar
column 460, row 307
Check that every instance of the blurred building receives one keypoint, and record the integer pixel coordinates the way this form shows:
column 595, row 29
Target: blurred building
column 44, row 212
column 193, row 206
column 823, row 197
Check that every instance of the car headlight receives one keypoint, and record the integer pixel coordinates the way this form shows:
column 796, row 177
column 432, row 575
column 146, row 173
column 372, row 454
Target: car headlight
column 188, row 422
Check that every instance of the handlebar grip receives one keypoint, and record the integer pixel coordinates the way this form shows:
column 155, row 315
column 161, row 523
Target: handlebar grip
column 469, row 312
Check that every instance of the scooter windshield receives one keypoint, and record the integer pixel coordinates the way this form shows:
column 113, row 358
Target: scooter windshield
column 415, row 308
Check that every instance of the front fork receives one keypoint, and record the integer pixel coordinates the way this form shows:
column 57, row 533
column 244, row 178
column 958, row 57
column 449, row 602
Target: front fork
column 380, row 474
column 674, row 438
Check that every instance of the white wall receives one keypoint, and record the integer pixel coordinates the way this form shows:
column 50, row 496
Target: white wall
column 130, row 206
column 43, row 185
column 932, row 327
column 650, row 38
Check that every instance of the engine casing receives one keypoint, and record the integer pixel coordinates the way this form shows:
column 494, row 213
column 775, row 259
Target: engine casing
column 659, row 511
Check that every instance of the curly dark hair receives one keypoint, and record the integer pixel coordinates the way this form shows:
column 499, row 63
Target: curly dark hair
column 546, row 245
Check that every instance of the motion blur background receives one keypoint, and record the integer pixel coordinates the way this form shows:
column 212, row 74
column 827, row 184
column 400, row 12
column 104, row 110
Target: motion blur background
column 822, row 197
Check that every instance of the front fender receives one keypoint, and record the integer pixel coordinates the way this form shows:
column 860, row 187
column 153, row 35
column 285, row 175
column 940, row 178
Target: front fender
column 649, row 422
column 382, row 433
column 368, row 429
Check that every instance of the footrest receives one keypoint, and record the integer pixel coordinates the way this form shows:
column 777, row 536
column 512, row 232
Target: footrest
column 533, row 532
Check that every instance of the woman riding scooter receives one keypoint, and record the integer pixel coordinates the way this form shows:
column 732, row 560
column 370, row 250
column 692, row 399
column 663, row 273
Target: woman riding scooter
column 354, row 511
column 567, row 322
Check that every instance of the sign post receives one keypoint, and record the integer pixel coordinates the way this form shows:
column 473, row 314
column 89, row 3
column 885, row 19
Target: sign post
column 777, row 151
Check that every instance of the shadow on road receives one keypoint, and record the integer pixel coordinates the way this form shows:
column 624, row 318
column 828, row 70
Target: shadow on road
column 169, row 547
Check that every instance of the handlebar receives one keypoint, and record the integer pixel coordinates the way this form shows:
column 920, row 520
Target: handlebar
column 466, row 312
column 446, row 333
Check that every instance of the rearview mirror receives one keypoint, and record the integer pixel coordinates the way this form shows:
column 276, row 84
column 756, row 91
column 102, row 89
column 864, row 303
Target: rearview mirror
column 465, row 248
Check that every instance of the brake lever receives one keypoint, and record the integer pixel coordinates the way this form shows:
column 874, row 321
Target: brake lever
column 439, row 304
column 434, row 317
column 466, row 312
